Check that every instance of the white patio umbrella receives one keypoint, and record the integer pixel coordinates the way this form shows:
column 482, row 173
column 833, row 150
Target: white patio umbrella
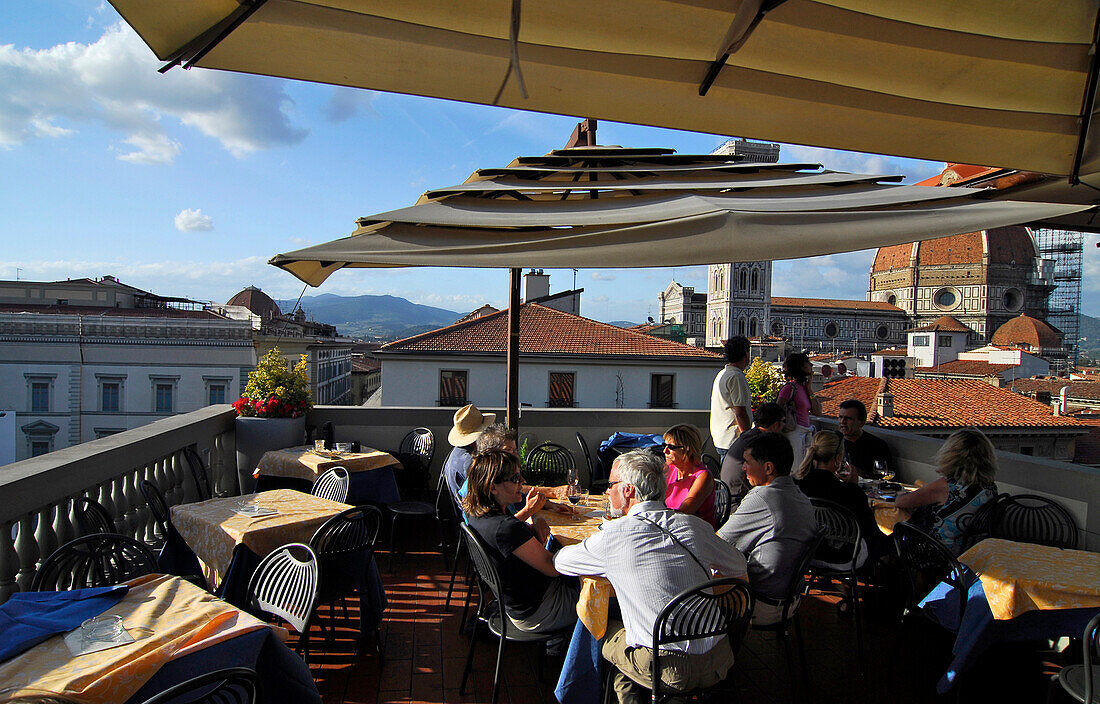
column 1005, row 83
column 614, row 207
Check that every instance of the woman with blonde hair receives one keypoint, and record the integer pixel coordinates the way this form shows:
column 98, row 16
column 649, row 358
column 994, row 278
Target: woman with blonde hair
column 818, row 479
column 690, row 487
column 967, row 466
column 536, row 597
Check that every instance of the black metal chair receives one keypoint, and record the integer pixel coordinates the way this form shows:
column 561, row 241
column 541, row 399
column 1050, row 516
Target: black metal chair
column 234, row 685
column 285, row 585
column 844, row 539
column 926, row 562
column 198, row 472
column 92, row 517
column 976, row 527
column 723, row 502
column 332, row 484
column 419, row 509
column 499, row 625
column 789, row 619
column 588, row 461
column 713, row 465
column 1029, row 518
column 343, row 541
column 719, row 607
column 157, row 505
column 1080, row 680
column 548, row 464
column 97, row 560
column 415, row 455
column 421, row 443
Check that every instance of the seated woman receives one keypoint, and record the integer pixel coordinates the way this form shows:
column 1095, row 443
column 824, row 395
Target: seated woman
column 536, row 597
column 817, row 478
column 967, row 468
column 690, row 486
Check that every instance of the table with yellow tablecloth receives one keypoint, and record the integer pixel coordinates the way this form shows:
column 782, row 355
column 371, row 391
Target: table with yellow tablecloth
column 1022, row 577
column 179, row 631
column 214, row 530
column 596, row 592
column 372, row 477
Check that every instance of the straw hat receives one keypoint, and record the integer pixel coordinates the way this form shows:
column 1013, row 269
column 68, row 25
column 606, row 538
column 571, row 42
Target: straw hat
column 469, row 424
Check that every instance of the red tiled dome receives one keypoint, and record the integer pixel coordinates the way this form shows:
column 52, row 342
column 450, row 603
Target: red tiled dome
column 1025, row 330
column 256, row 301
column 1007, row 245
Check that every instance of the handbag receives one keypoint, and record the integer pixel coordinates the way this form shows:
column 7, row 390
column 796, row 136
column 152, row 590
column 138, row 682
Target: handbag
column 790, row 413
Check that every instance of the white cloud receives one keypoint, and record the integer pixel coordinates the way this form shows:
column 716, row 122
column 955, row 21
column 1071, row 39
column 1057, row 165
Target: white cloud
column 600, row 276
column 841, row 276
column 50, row 93
column 858, row 162
column 193, row 220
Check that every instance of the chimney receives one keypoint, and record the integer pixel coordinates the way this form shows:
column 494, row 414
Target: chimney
column 536, row 284
column 885, row 404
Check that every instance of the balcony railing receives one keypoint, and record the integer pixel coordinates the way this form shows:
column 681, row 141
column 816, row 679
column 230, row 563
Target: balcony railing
column 36, row 511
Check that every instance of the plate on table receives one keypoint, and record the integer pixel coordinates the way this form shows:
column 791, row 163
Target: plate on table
column 77, row 645
column 254, row 511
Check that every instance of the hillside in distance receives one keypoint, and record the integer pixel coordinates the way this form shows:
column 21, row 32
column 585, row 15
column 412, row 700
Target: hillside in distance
column 373, row 317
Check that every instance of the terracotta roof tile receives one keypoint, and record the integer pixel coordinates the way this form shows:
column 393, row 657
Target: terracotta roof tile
column 944, row 403
column 945, row 323
column 832, row 303
column 891, row 352
column 967, row 366
column 110, row 312
column 1027, row 330
column 1007, row 245
column 1077, row 389
column 547, row 331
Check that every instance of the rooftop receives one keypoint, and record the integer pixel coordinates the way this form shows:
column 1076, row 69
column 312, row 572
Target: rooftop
column 943, row 403
column 547, row 331
column 833, row 303
column 1025, row 330
column 945, row 323
column 966, row 367
column 1077, row 389
column 175, row 313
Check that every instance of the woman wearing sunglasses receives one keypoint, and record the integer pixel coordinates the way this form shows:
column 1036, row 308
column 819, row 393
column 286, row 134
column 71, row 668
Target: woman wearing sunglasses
column 536, row 597
column 690, row 486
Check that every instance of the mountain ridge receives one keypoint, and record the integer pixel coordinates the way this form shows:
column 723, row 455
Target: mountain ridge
column 373, row 317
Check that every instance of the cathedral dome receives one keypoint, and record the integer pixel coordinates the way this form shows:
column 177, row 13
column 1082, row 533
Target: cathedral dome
column 1025, row 330
column 1002, row 245
column 256, row 301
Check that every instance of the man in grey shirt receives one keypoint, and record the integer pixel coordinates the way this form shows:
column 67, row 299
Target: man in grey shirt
column 648, row 567
column 773, row 525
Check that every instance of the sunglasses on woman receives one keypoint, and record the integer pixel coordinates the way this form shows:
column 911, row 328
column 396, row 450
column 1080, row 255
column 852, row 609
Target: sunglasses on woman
column 675, row 448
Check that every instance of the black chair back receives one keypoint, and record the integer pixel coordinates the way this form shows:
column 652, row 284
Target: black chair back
column 723, row 502
column 285, row 584
column 797, row 585
column 1028, row 518
column 157, row 505
column 842, row 532
column 711, row 463
column 347, row 537
column 419, row 442
column 97, row 560
column 720, row 607
column 975, row 527
column 1090, row 643
column 92, row 517
column 198, row 472
column 332, row 484
column 926, row 562
column 548, row 465
column 484, row 566
column 587, row 457
column 235, row 685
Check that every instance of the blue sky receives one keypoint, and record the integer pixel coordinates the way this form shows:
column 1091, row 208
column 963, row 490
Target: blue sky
column 186, row 183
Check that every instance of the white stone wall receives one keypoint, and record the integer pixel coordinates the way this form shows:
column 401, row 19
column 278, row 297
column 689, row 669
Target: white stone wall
column 414, row 381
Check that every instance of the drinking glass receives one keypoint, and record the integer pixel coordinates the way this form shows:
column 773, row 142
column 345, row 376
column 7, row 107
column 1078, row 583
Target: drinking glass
column 882, row 472
column 105, row 628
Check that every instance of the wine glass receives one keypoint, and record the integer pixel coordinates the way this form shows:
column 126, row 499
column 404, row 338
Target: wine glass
column 882, row 471
column 573, row 490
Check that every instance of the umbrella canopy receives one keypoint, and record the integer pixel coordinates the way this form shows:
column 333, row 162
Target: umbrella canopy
column 614, row 207
column 991, row 82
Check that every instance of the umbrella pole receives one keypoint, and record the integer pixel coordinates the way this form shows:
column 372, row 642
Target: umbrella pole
column 513, row 349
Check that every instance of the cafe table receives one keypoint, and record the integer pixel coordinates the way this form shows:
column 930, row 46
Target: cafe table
column 1015, row 592
column 887, row 515
column 179, row 632
column 371, row 472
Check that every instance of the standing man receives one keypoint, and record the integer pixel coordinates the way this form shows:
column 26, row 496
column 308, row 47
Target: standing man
column 730, row 399
column 861, row 449
column 772, row 526
column 650, row 555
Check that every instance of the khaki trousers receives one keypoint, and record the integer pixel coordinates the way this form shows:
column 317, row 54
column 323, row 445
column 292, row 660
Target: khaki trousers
column 680, row 672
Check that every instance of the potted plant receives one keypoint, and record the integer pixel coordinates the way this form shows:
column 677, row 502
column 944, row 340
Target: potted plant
column 271, row 413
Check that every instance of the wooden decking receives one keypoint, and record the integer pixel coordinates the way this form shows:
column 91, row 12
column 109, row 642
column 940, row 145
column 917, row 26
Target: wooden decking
column 424, row 656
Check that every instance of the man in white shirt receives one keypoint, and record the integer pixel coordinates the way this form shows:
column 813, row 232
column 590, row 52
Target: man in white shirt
column 648, row 567
column 730, row 398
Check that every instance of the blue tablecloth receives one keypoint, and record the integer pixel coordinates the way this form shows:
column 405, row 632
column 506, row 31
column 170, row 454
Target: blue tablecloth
column 978, row 629
column 285, row 678
column 28, row 618
column 580, row 680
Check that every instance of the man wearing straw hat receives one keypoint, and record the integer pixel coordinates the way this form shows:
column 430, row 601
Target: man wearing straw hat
column 469, row 424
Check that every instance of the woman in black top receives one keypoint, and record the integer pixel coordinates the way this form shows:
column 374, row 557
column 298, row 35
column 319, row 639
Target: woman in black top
column 536, row 597
column 817, row 478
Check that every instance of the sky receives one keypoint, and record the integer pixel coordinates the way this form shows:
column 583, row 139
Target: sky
column 186, row 183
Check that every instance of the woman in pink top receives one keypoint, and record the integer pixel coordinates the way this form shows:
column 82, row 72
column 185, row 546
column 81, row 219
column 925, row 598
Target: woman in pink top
column 799, row 371
column 690, row 486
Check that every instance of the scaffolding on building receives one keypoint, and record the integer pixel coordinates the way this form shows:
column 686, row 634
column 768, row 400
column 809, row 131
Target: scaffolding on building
column 1065, row 248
